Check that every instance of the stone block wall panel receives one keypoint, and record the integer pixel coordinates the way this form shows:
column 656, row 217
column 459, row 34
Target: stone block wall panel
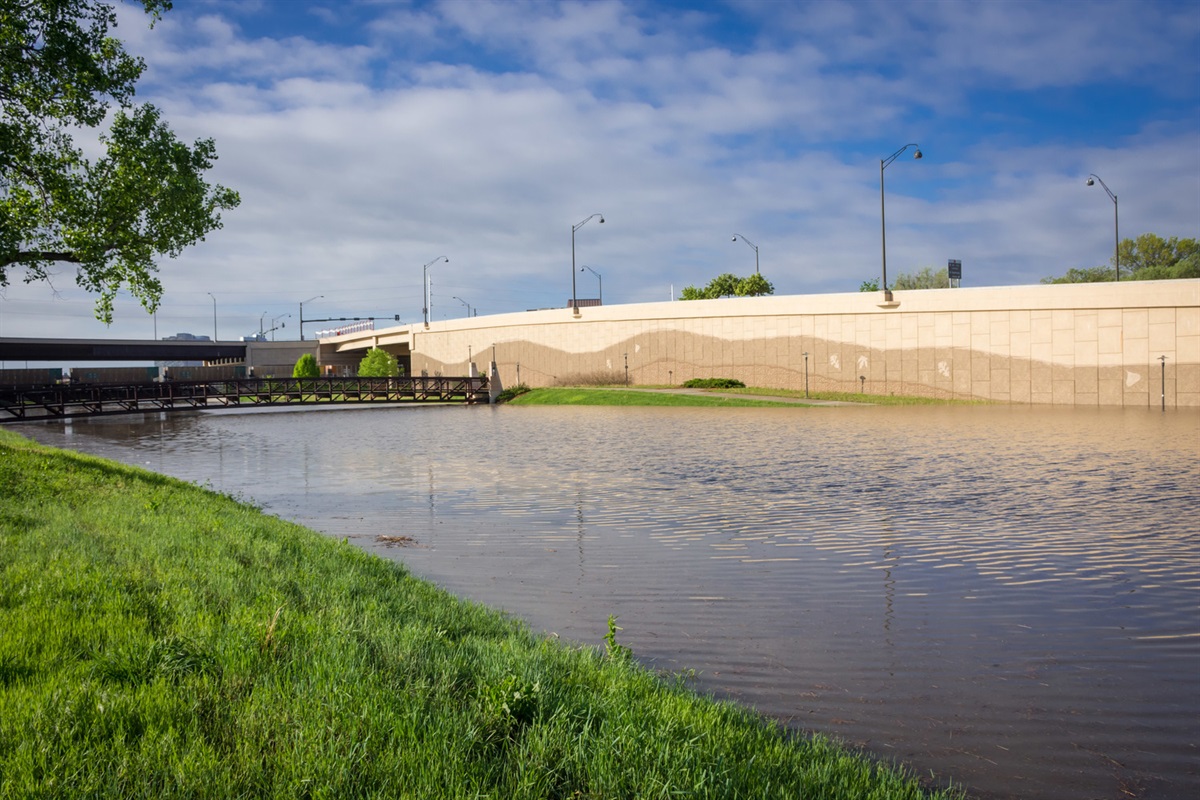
column 1084, row 344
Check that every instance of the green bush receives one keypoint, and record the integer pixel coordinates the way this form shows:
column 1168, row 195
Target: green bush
column 306, row 367
column 378, row 363
column 714, row 383
column 511, row 392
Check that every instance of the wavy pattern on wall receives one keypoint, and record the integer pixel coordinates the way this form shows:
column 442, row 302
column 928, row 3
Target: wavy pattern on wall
column 1017, row 348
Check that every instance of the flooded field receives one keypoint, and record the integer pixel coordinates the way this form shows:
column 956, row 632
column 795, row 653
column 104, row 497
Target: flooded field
column 1006, row 597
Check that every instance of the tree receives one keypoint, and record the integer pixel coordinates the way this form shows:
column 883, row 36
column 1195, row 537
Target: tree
column 754, row 286
column 869, row 285
column 1147, row 258
column 1085, row 275
column 927, row 278
column 729, row 285
column 306, row 367
column 1155, row 253
column 378, row 363
column 143, row 198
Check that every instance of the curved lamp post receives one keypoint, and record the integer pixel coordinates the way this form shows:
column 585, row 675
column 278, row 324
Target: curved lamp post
column 574, row 302
column 883, row 162
column 281, row 324
column 425, row 285
column 737, row 236
column 214, row 297
column 598, row 278
column 1091, row 181
column 464, row 302
column 309, row 300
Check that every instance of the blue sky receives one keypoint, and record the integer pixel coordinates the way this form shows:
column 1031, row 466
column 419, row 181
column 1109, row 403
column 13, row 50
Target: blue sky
column 368, row 138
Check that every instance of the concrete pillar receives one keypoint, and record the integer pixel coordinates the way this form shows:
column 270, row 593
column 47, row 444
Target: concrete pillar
column 494, row 387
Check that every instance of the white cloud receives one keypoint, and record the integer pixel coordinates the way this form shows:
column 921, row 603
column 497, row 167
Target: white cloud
column 484, row 131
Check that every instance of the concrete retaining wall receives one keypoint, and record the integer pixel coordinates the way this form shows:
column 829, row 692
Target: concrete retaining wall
column 1081, row 344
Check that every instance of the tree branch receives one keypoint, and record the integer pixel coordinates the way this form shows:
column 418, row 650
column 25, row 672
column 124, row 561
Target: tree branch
column 26, row 256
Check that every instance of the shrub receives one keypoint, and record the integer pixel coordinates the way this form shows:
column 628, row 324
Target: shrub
column 378, row 363
column 714, row 383
column 511, row 392
column 306, row 367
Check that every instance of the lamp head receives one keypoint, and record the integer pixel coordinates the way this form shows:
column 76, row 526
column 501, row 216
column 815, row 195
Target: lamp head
column 918, row 155
column 1091, row 182
column 601, row 219
column 734, row 239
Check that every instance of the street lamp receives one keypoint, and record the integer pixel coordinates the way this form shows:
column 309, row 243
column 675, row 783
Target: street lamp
column 752, row 244
column 1116, row 234
column 214, row 298
column 425, row 284
column 281, row 324
column 598, row 279
column 883, row 162
column 464, row 302
column 574, row 302
column 309, row 300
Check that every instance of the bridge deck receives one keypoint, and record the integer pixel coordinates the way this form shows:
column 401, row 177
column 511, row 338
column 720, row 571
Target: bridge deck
column 19, row 403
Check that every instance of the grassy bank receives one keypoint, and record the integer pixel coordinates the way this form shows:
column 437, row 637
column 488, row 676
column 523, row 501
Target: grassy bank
column 161, row 640
column 573, row 396
column 615, row 396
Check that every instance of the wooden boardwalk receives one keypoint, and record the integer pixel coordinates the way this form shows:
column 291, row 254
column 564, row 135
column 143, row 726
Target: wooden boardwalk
column 62, row 401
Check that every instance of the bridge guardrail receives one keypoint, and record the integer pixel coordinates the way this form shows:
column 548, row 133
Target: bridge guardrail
column 61, row 401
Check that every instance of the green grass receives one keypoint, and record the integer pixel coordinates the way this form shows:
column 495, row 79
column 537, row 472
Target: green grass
column 574, row 396
column 161, row 640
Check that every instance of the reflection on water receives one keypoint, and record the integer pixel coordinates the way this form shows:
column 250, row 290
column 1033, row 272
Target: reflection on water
column 1005, row 596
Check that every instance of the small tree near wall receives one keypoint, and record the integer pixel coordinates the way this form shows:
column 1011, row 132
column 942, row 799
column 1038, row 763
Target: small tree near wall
column 378, row 364
column 306, row 367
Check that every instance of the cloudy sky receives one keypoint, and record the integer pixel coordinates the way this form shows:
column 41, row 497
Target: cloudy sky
column 369, row 137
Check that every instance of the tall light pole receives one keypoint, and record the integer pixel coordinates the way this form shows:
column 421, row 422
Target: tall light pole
column 1116, row 227
column 260, row 323
column 464, row 302
column 281, row 324
column 214, row 298
column 425, row 283
column 883, row 162
column 574, row 302
column 309, row 300
column 737, row 236
column 598, row 279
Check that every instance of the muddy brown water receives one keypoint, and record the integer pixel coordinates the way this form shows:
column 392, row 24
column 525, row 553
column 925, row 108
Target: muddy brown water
column 1004, row 597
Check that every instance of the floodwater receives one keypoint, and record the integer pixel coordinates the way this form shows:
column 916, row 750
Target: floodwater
column 1005, row 597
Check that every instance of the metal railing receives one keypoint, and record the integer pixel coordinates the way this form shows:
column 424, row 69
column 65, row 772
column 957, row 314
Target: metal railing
column 60, row 401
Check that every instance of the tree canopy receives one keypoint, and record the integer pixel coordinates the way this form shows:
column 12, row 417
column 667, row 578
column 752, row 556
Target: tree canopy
column 729, row 285
column 926, row 278
column 378, row 363
column 1149, row 257
column 61, row 73
column 306, row 367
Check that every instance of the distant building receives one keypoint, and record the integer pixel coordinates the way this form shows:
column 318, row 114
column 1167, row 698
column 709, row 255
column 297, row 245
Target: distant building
column 182, row 337
column 584, row 302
